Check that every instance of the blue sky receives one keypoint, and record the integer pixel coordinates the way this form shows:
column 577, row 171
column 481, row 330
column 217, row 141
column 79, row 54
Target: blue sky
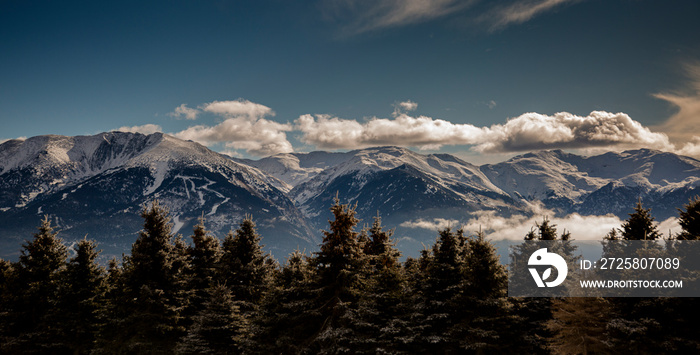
column 483, row 79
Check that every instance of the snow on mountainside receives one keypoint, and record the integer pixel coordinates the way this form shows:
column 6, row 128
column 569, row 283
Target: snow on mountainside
column 296, row 168
column 97, row 185
column 606, row 183
column 401, row 186
column 86, row 183
column 57, row 161
column 542, row 175
column 446, row 170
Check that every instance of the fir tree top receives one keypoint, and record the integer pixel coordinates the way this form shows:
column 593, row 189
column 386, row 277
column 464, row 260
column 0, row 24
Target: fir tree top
column 640, row 225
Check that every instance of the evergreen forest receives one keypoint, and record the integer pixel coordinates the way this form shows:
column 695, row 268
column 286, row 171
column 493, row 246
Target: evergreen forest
column 205, row 295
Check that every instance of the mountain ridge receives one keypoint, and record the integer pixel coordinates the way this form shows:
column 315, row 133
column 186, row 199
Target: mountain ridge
column 85, row 181
column 58, row 176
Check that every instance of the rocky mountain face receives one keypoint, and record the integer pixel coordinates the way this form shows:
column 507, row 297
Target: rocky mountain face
column 607, row 183
column 96, row 185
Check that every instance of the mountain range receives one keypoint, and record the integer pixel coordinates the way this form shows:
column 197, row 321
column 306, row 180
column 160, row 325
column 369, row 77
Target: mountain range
column 97, row 185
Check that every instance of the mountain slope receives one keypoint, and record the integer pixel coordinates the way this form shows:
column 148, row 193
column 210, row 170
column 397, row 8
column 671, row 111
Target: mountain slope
column 400, row 186
column 87, row 183
column 97, row 185
column 606, row 183
column 296, row 168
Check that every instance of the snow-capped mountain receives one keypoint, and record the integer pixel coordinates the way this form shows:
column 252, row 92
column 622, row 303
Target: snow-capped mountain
column 607, row 183
column 97, row 185
column 401, row 186
column 296, row 168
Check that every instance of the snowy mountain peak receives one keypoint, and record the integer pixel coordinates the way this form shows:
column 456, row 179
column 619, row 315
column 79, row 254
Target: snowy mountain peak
column 87, row 182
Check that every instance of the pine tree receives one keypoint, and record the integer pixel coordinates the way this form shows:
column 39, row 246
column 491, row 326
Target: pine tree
column 383, row 307
column 205, row 254
column 147, row 309
column 487, row 326
column 640, row 225
column 341, row 269
column 39, row 270
column 245, row 268
column 689, row 220
column 82, row 298
column 634, row 324
column 8, row 282
column 439, row 290
column 535, row 312
column 579, row 325
column 288, row 316
column 218, row 328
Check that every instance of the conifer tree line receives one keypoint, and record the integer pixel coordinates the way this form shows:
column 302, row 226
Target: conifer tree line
column 353, row 296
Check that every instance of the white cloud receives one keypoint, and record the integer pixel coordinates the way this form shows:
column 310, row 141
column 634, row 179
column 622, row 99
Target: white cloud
column 244, row 127
column 403, row 107
column 515, row 227
column 435, row 225
column 683, row 126
column 533, row 131
column 530, row 131
column 184, row 111
column 238, row 108
column 334, row 133
column 669, row 225
column 518, row 12
column 143, row 129
column 373, row 15
column 691, row 148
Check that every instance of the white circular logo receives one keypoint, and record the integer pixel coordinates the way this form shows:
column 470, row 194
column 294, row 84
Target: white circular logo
column 542, row 257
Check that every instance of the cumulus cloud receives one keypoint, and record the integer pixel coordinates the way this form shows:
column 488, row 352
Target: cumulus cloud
column 336, row 133
column 433, row 225
column 518, row 12
column 143, row 129
column 244, row 127
column 185, row 112
column 238, row 108
column 364, row 16
column 530, row 131
column 691, row 148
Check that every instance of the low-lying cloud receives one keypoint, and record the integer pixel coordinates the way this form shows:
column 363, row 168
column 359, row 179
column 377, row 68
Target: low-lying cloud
column 530, row 131
column 515, row 227
column 434, row 225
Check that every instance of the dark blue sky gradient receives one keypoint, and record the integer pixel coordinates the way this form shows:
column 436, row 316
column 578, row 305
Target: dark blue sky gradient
column 72, row 68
